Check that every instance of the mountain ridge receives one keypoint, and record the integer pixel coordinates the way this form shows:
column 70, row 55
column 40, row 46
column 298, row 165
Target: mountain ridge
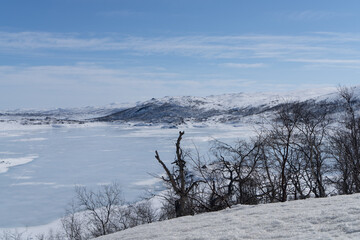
column 225, row 108
column 173, row 111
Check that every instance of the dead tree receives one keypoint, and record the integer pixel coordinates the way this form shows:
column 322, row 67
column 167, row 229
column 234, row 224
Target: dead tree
column 346, row 145
column 178, row 179
column 280, row 149
column 311, row 142
column 72, row 225
column 240, row 166
column 217, row 186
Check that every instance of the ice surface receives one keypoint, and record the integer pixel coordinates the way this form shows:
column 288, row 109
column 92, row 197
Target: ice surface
column 38, row 192
column 328, row 218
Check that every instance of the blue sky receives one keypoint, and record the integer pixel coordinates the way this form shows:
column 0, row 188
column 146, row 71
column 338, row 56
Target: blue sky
column 72, row 53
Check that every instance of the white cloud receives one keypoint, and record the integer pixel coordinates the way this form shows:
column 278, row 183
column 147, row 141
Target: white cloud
column 45, row 40
column 120, row 13
column 79, row 74
column 32, row 183
column 84, row 85
column 105, row 80
column 227, row 47
column 331, row 61
column 316, row 15
column 243, row 65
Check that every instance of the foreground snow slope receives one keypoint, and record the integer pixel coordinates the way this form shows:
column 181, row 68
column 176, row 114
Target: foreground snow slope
column 329, row 218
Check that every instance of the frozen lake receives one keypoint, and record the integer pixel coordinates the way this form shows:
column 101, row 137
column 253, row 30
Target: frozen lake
column 37, row 192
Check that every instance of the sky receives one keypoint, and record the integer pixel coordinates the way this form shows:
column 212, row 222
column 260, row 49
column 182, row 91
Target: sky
column 74, row 53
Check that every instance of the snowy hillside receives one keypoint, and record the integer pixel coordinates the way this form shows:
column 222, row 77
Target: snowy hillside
column 243, row 100
column 173, row 111
column 328, row 218
column 225, row 108
column 58, row 115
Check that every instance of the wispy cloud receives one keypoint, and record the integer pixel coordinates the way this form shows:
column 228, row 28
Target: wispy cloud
column 79, row 74
column 337, row 61
column 243, row 65
column 310, row 15
column 32, row 183
column 120, row 13
column 43, row 40
column 205, row 46
column 242, row 48
column 97, row 85
column 85, row 75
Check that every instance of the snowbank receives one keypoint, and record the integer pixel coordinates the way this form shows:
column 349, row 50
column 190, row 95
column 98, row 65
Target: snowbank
column 329, row 218
column 6, row 163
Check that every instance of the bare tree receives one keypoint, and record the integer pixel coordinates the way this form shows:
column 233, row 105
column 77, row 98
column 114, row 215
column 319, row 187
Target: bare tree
column 216, row 192
column 345, row 145
column 101, row 208
column 179, row 179
column 51, row 235
column 343, row 167
column 280, row 151
column 13, row 235
column 313, row 129
column 71, row 223
column 140, row 213
column 240, row 166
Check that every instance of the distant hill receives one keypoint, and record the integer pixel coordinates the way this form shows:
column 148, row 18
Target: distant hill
column 226, row 108
column 173, row 111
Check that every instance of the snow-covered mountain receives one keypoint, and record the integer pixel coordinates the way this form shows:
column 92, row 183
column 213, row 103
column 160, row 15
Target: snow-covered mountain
column 68, row 112
column 59, row 115
column 327, row 218
column 225, row 108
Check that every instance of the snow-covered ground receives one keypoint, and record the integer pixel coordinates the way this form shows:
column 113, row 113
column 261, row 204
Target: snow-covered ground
column 328, row 218
column 6, row 163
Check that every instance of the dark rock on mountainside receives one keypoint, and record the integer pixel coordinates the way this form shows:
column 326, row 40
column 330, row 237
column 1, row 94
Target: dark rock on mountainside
column 157, row 113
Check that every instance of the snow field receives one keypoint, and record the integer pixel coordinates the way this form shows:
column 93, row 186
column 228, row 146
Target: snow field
column 327, row 218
